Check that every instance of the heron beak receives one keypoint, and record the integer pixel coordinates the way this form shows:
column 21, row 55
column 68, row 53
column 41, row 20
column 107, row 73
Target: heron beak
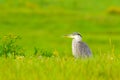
column 68, row 36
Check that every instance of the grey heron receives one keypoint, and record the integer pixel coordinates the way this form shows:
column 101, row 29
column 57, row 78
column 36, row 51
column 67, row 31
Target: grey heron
column 79, row 48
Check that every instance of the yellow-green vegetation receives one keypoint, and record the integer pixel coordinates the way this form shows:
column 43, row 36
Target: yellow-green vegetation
column 32, row 46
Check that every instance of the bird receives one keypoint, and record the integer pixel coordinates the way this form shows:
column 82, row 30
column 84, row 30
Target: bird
column 79, row 49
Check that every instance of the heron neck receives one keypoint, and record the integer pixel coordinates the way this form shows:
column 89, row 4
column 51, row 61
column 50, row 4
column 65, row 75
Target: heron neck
column 78, row 38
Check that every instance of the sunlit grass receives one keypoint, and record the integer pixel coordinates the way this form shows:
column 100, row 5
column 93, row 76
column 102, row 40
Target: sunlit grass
column 99, row 67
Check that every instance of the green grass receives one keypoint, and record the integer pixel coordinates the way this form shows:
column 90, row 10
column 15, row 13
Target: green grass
column 101, row 68
column 41, row 25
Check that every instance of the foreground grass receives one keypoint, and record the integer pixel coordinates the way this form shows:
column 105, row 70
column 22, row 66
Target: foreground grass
column 101, row 67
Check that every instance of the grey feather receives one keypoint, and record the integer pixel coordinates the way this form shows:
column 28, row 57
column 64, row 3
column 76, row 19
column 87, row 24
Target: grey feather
column 80, row 49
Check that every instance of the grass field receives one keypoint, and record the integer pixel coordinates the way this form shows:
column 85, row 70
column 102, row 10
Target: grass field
column 41, row 25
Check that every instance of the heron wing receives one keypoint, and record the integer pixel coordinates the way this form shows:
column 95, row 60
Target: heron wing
column 83, row 49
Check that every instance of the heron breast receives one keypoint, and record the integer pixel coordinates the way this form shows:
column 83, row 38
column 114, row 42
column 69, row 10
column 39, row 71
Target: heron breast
column 74, row 48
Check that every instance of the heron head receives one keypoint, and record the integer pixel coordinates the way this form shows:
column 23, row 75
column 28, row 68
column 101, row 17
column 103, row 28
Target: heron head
column 74, row 35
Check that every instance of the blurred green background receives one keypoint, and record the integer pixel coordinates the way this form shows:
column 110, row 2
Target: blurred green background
column 42, row 23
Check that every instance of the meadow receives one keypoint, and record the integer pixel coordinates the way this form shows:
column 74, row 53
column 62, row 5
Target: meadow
column 34, row 29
